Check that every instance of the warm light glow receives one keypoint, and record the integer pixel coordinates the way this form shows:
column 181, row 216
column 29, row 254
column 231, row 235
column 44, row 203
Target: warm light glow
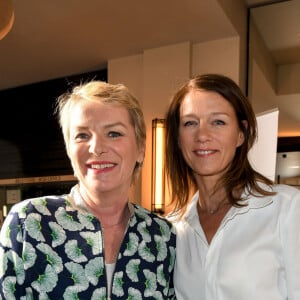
column 6, row 17
column 158, row 166
column 4, row 208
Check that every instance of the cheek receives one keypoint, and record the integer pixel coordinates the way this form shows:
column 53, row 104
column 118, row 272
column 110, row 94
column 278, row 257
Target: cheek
column 75, row 154
column 183, row 139
column 184, row 144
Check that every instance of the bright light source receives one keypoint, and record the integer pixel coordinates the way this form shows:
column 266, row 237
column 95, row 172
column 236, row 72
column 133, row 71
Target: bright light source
column 158, row 166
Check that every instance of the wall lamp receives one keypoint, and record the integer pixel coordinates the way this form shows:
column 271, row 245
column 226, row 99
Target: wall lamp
column 158, row 166
column 7, row 17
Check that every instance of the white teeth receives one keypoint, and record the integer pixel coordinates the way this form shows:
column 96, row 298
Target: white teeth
column 204, row 152
column 101, row 166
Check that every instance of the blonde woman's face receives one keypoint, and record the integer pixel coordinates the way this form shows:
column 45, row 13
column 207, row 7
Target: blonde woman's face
column 103, row 148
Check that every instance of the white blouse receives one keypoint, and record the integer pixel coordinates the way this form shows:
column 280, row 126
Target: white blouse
column 255, row 254
column 109, row 273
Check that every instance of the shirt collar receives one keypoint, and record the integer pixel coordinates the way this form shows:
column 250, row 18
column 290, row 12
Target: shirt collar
column 250, row 202
column 77, row 201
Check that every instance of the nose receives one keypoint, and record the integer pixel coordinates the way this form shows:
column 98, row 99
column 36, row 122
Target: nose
column 98, row 146
column 203, row 133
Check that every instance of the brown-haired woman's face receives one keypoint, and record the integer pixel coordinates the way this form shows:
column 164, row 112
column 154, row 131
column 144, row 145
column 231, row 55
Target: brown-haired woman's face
column 208, row 133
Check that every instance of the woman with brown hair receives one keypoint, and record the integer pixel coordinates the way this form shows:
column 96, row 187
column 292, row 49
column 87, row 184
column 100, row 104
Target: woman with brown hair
column 238, row 237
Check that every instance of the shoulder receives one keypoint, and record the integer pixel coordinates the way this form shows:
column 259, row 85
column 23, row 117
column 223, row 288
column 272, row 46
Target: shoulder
column 286, row 189
column 285, row 194
column 284, row 202
column 182, row 215
column 280, row 192
column 150, row 219
column 39, row 204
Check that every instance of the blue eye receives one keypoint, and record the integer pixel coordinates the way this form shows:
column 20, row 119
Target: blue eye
column 189, row 123
column 218, row 122
column 81, row 136
column 114, row 134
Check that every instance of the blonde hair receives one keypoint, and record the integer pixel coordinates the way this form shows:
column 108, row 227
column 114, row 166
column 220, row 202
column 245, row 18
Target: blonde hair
column 112, row 94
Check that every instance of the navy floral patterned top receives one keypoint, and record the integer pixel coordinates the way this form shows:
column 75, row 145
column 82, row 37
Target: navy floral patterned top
column 52, row 248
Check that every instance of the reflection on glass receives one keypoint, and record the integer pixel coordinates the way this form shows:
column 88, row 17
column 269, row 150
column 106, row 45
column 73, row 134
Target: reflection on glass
column 274, row 62
column 288, row 168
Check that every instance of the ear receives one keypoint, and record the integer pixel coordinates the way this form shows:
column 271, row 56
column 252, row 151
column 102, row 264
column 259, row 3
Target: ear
column 241, row 136
column 141, row 154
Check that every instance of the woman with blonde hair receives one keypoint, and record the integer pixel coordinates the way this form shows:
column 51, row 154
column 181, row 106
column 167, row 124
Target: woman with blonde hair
column 92, row 243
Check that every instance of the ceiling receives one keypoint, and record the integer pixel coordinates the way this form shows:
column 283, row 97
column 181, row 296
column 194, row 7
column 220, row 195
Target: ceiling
column 54, row 38
column 279, row 26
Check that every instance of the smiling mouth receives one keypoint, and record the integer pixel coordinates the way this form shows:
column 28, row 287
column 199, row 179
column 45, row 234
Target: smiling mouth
column 204, row 152
column 102, row 166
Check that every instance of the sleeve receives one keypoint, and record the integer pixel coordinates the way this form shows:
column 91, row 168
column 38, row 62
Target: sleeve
column 172, row 257
column 12, row 272
column 290, row 233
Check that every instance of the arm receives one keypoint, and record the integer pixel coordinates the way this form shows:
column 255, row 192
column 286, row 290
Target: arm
column 12, row 273
column 290, row 233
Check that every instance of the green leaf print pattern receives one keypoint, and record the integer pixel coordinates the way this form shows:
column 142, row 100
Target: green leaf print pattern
column 132, row 245
column 78, row 277
column 17, row 265
column 48, row 233
column 150, row 284
column 92, row 239
column 142, row 228
column 94, row 270
column 40, row 206
column 161, row 248
column 33, row 226
column 145, row 252
column 132, row 269
column 67, row 221
column 46, row 282
column 51, row 257
column 28, row 255
column 86, row 221
column 118, row 284
column 99, row 294
column 134, row 294
column 74, row 252
column 57, row 233
column 9, row 287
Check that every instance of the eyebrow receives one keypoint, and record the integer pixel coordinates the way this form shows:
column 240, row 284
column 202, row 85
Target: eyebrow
column 196, row 116
column 115, row 124
column 105, row 126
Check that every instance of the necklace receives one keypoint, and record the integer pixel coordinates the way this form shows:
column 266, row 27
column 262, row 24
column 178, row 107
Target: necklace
column 123, row 220
column 211, row 211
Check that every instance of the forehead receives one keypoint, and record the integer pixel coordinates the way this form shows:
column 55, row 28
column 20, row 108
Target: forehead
column 200, row 101
column 101, row 112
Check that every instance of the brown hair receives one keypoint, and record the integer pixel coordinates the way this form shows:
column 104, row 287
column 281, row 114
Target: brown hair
column 240, row 173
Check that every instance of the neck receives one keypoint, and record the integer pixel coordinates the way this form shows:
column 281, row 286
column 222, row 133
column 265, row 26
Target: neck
column 213, row 209
column 112, row 222
column 211, row 201
column 109, row 211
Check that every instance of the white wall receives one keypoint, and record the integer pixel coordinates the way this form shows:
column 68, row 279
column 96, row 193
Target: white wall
column 155, row 75
column 222, row 57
